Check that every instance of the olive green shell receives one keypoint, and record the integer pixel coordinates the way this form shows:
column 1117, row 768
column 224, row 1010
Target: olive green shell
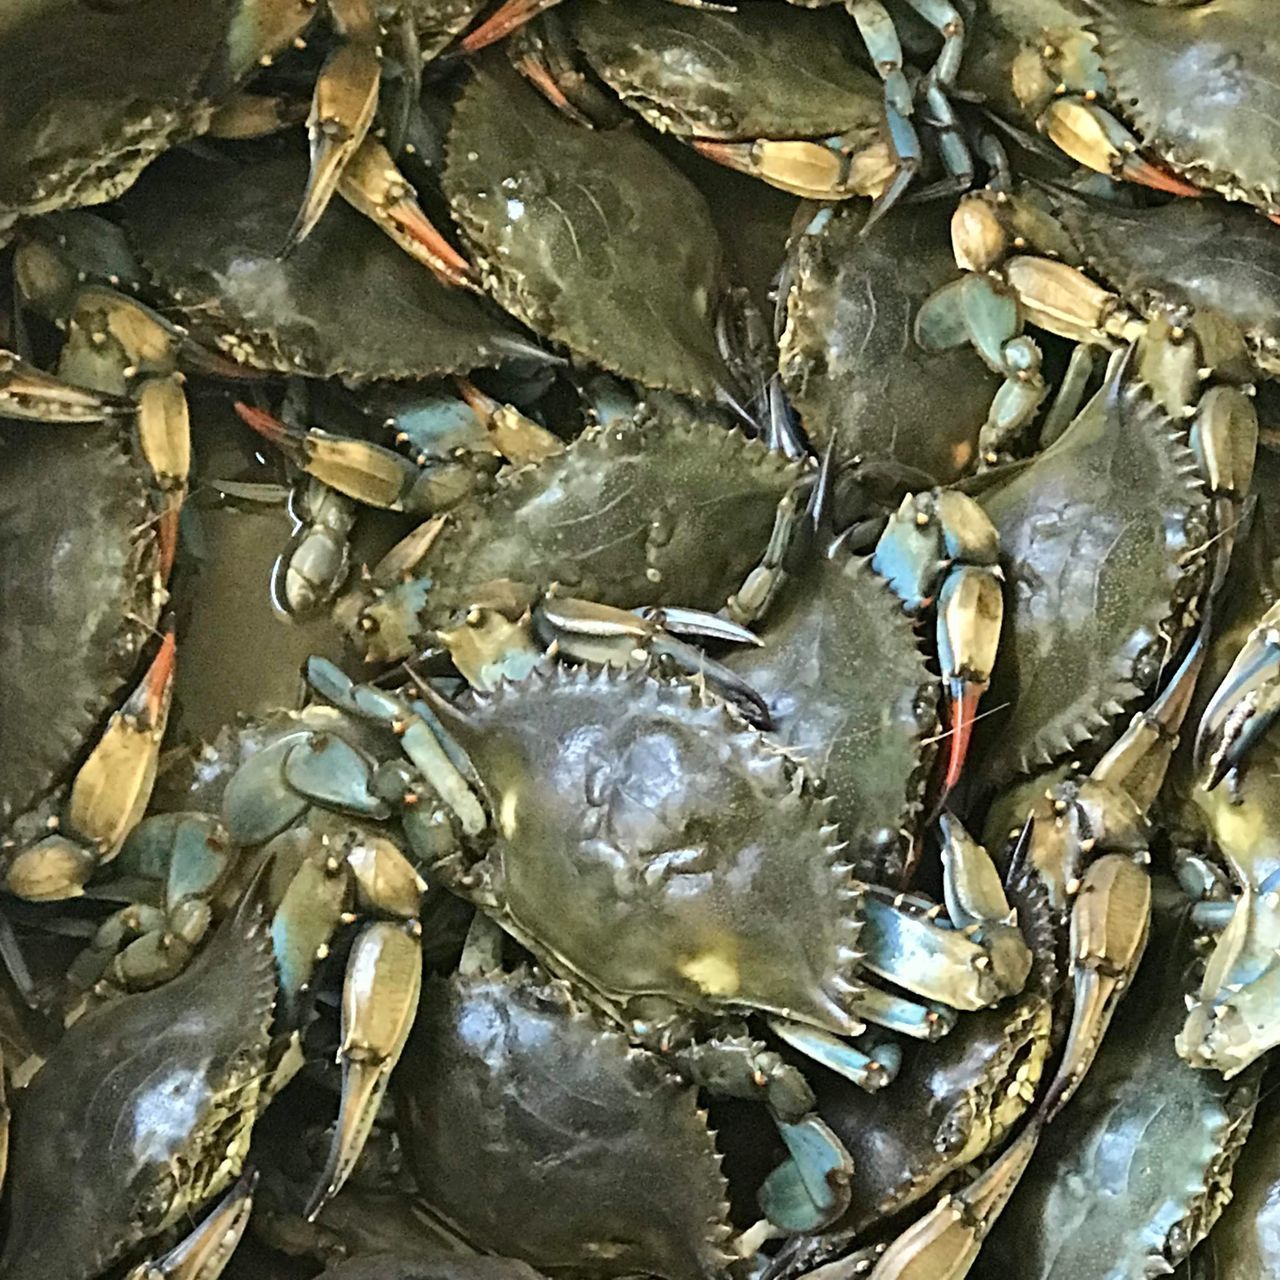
column 646, row 842
column 850, row 697
column 78, row 598
column 650, row 512
column 1097, row 539
column 1138, row 1166
column 105, row 88
column 345, row 302
column 1202, row 87
column 538, row 1132
column 590, row 237
column 142, row 1111
column 848, row 356
column 760, row 72
column 1201, row 253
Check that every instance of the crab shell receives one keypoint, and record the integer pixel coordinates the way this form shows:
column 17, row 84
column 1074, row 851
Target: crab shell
column 448, row 1266
column 1198, row 253
column 79, row 595
column 646, row 843
column 850, row 697
column 536, row 1131
column 346, row 302
column 650, row 512
column 848, row 359
column 1140, row 1166
column 1096, row 539
column 591, row 238
column 760, row 72
column 150, row 1100
column 1245, row 1242
column 1201, row 86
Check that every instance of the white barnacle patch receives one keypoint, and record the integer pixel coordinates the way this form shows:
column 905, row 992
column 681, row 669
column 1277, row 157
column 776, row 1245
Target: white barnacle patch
column 507, row 813
column 712, row 972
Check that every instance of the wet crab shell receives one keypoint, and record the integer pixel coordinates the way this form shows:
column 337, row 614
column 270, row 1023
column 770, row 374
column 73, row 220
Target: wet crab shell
column 79, row 595
column 1097, row 538
column 850, row 697
column 848, row 359
column 590, row 237
column 538, row 1132
column 650, row 512
column 1199, row 84
column 106, row 89
column 1140, row 1166
column 347, row 302
column 1202, row 254
column 647, row 843
column 150, row 1101
column 760, row 72
column 448, row 1266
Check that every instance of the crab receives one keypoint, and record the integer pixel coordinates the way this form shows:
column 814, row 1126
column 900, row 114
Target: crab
column 670, row 92
column 84, row 738
column 546, row 1097
column 296, row 799
column 725, row 84
column 847, row 357
column 566, row 226
column 948, row 1105
column 448, row 1266
column 1111, row 90
column 1141, row 1166
column 719, row 959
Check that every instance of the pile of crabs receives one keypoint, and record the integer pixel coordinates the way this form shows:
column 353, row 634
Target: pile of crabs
column 785, row 496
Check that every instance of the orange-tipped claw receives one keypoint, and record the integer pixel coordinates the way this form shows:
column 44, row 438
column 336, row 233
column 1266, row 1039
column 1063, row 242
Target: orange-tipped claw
column 167, row 533
column 447, row 264
column 1135, row 169
column 153, row 692
column 962, row 706
column 267, row 425
column 505, row 19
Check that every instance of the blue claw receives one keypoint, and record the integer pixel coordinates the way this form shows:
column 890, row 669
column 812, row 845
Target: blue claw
column 811, row 1189
column 258, row 802
column 867, row 1072
column 330, row 771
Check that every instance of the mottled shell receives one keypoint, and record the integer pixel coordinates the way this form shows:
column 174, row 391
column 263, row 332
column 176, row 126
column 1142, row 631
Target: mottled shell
column 448, row 1266
column 149, row 1101
column 1096, row 539
column 346, row 302
column 1138, row 1166
column 649, row 512
column 1202, row 87
column 437, row 22
column 1245, row 1243
column 78, row 596
column 646, row 842
column 590, row 237
column 538, row 1132
column 1203, row 253
column 761, row 72
column 105, row 89
column 851, row 698
column 848, row 356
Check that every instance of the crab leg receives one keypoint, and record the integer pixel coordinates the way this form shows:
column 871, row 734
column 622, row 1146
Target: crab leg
column 312, row 567
column 372, row 184
column 342, row 109
column 942, row 543
column 836, row 168
column 506, row 18
column 379, row 1003
column 1245, row 704
column 27, row 392
column 809, row 1190
column 205, row 1252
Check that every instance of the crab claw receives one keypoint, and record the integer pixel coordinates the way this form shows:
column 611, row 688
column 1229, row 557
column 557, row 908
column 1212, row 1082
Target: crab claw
column 811, row 1189
column 111, row 790
column 1110, row 923
column 379, row 1003
column 505, row 19
column 364, row 471
column 814, row 170
column 1245, row 704
column 372, row 184
column 1093, row 137
column 29, row 393
column 342, row 109
column 204, row 1253
column 970, row 615
column 944, row 1243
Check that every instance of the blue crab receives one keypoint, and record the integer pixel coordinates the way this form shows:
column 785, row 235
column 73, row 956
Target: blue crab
column 718, row 961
